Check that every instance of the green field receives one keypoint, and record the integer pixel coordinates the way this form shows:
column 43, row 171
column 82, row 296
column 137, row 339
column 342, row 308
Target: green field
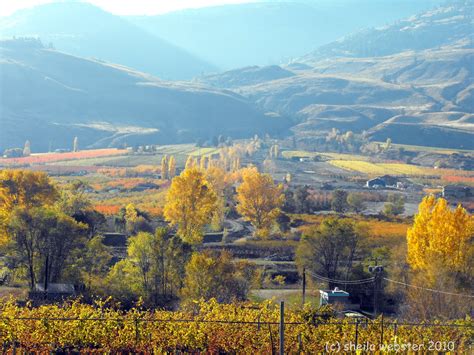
column 288, row 154
column 292, row 297
column 419, row 148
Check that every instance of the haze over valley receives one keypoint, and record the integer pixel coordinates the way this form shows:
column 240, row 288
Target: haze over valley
column 410, row 80
column 236, row 177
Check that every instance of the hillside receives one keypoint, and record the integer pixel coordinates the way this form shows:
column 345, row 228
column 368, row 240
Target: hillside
column 49, row 97
column 449, row 24
column 414, row 96
column 411, row 81
column 85, row 30
column 271, row 32
column 245, row 76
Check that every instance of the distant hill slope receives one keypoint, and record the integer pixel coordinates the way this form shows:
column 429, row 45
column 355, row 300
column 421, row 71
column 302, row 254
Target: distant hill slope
column 421, row 92
column 50, row 97
column 245, row 76
column 271, row 32
column 87, row 31
column 424, row 98
column 445, row 25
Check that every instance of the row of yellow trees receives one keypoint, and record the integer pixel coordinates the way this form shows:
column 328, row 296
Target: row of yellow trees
column 198, row 196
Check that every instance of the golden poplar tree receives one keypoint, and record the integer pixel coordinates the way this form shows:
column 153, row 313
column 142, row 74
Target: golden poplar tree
column 203, row 163
column 236, row 163
column 171, row 167
column 217, row 179
column 259, row 200
column 23, row 189
column 440, row 235
column 164, row 167
column 190, row 163
column 190, row 204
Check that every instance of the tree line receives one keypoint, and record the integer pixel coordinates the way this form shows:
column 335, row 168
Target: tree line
column 53, row 232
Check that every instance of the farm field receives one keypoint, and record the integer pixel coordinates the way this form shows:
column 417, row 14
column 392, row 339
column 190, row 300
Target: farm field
column 112, row 174
column 377, row 228
column 45, row 158
column 110, row 157
column 334, row 156
column 151, row 201
column 180, row 151
column 369, row 168
column 100, row 161
column 419, row 148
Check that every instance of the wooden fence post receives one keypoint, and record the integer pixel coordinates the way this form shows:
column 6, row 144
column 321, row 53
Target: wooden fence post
column 282, row 328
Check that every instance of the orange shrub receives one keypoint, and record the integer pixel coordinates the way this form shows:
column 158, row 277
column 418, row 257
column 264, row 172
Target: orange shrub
column 458, row 179
column 108, row 210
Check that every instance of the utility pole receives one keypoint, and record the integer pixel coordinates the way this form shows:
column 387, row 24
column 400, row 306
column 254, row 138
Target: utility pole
column 377, row 272
column 304, row 287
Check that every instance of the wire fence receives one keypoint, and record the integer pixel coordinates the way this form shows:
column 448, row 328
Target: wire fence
column 318, row 322
column 138, row 326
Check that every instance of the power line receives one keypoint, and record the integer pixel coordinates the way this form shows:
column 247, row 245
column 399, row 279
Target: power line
column 348, row 282
column 352, row 282
column 429, row 289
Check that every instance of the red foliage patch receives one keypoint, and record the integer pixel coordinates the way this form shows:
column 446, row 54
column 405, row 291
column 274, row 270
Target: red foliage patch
column 51, row 157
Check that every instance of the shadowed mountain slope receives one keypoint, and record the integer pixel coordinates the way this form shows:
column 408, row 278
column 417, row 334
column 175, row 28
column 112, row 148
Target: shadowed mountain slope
column 448, row 24
column 419, row 93
column 48, row 96
column 85, row 30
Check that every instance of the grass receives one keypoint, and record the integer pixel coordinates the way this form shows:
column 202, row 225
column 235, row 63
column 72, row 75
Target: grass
column 16, row 292
column 271, row 243
column 419, row 148
column 397, row 169
column 91, row 161
column 288, row 154
column 199, row 152
column 376, row 228
column 360, row 166
column 291, row 297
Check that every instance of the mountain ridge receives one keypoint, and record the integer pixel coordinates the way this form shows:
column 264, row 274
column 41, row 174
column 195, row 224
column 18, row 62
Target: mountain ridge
column 104, row 36
column 433, row 87
column 54, row 96
column 265, row 33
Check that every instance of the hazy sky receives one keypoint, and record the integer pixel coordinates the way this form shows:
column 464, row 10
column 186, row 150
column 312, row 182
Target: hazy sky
column 123, row 7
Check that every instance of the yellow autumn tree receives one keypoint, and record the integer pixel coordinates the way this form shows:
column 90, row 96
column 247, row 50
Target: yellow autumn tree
column 217, row 178
column 259, row 200
column 23, row 188
column 171, row 167
column 235, row 163
column 190, row 163
column 164, row 167
column 203, row 163
column 440, row 235
column 131, row 213
column 190, row 204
